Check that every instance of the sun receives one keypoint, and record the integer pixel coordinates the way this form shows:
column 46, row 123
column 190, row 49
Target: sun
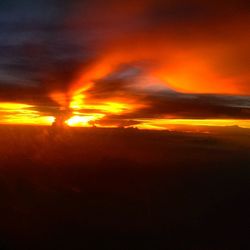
column 83, row 120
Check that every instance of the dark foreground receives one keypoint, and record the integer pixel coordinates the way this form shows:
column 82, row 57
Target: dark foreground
column 123, row 189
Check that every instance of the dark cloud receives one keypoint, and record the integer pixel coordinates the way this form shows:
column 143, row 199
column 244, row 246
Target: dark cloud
column 186, row 106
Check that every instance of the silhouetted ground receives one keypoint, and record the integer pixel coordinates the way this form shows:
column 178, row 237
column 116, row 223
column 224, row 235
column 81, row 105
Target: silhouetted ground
column 123, row 189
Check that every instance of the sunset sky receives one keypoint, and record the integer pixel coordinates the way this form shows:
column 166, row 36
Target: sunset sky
column 144, row 63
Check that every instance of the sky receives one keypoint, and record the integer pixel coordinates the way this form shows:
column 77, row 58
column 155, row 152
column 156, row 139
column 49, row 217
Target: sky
column 124, row 63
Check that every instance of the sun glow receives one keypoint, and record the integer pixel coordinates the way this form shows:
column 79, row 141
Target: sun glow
column 77, row 102
column 83, row 121
column 86, row 112
column 110, row 107
column 105, row 107
column 162, row 124
column 20, row 113
column 9, row 106
column 89, row 115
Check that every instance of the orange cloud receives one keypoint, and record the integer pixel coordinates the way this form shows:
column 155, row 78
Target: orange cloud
column 124, row 61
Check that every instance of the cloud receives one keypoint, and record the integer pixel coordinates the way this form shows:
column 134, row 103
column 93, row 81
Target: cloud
column 178, row 58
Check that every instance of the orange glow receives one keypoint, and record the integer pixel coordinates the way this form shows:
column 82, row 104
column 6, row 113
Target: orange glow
column 170, row 123
column 19, row 113
column 194, row 74
column 83, row 121
column 60, row 98
column 77, row 102
column 185, row 74
column 85, row 111
column 12, row 107
column 104, row 107
column 28, row 120
column 199, row 67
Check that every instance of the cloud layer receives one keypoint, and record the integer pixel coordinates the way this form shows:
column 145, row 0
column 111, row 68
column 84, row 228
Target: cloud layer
column 167, row 59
